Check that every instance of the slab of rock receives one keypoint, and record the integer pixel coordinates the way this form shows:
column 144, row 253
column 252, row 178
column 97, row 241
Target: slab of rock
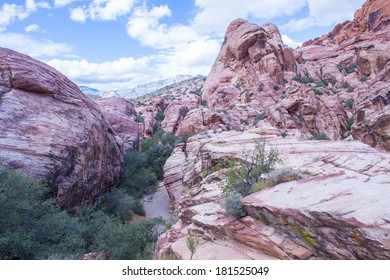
column 53, row 131
column 338, row 211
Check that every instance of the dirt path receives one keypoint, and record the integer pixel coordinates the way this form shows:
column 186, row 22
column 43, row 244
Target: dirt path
column 157, row 204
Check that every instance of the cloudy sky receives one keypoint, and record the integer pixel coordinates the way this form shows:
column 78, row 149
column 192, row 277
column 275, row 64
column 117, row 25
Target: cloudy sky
column 114, row 44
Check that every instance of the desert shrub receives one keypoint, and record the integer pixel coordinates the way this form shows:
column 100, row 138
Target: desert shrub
column 363, row 79
column 118, row 202
column 351, row 68
column 260, row 87
column 233, row 205
column 31, row 226
column 119, row 240
column 284, row 133
column 321, row 83
column 203, row 103
column 349, row 102
column 184, row 138
column 244, row 121
column 139, row 118
column 318, row 91
column 283, row 175
column 143, row 169
column 254, row 166
column 350, row 123
column 350, row 89
column 321, row 136
column 303, row 79
column 137, row 177
column 259, row 117
column 192, row 243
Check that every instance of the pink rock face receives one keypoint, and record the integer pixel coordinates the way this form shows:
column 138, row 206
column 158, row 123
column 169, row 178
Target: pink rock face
column 338, row 211
column 149, row 113
column 53, row 131
column 120, row 113
column 257, row 81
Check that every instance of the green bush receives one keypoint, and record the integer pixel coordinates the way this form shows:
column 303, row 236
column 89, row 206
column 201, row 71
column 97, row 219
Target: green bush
column 304, row 79
column 283, row 175
column 118, row 202
column 254, row 166
column 32, row 227
column 318, row 91
column 349, row 102
column 321, row 83
column 351, row 68
column 350, row 123
column 233, row 205
column 321, row 136
column 259, row 117
column 139, row 118
column 119, row 240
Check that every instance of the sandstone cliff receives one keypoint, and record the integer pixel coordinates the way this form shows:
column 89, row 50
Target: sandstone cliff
column 54, row 132
column 332, row 87
column 338, row 211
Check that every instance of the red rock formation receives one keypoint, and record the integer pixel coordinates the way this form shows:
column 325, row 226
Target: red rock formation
column 120, row 113
column 257, row 81
column 54, row 132
column 339, row 211
column 373, row 16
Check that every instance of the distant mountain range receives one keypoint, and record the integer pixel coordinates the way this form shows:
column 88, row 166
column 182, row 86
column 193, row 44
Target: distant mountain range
column 137, row 91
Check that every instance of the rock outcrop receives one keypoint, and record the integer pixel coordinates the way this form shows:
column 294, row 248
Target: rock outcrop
column 121, row 115
column 54, row 132
column 320, row 88
column 338, row 211
column 336, row 87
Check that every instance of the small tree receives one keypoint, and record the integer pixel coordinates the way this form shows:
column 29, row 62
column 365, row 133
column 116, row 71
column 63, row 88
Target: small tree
column 192, row 242
column 254, row 166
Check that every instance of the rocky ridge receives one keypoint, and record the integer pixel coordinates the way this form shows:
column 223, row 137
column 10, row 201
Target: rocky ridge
column 333, row 87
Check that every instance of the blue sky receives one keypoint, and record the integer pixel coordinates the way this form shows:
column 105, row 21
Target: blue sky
column 115, row 44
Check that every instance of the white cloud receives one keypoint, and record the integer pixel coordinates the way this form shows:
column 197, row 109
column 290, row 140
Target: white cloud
column 63, row 3
column 32, row 6
column 32, row 28
column 144, row 25
column 28, row 45
column 325, row 13
column 11, row 12
column 78, row 14
column 101, row 10
column 121, row 70
column 290, row 42
column 215, row 15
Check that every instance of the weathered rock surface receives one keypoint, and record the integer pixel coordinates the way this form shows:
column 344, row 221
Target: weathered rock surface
column 322, row 87
column 340, row 210
column 120, row 113
column 54, row 132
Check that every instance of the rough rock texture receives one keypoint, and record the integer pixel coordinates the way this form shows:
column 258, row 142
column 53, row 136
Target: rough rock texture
column 120, row 113
column 373, row 16
column 340, row 210
column 257, row 81
column 54, row 132
column 171, row 109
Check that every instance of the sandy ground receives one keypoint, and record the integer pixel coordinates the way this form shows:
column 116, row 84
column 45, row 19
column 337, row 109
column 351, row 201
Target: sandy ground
column 157, row 204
